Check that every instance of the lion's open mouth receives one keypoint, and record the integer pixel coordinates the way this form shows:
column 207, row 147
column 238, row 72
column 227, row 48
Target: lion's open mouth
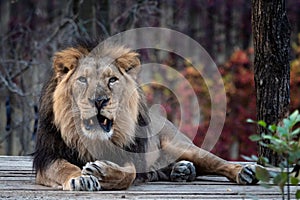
column 91, row 123
column 104, row 122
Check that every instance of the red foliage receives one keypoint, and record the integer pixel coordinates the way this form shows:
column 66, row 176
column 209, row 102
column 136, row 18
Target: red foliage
column 239, row 84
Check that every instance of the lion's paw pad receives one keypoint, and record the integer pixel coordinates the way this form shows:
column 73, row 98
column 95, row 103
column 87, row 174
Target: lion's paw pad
column 247, row 175
column 183, row 171
column 85, row 183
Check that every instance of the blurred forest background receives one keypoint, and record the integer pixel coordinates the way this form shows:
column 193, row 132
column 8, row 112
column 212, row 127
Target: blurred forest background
column 32, row 30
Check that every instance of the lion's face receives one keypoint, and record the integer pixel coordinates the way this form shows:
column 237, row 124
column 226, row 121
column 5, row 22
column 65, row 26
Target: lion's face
column 100, row 86
column 97, row 88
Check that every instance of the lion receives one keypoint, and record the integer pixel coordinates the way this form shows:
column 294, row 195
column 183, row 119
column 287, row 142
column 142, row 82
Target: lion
column 96, row 133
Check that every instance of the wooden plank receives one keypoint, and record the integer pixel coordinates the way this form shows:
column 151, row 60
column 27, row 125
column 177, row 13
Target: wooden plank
column 17, row 181
column 15, row 158
column 161, row 187
column 129, row 195
column 15, row 167
column 124, row 195
column 16, row 173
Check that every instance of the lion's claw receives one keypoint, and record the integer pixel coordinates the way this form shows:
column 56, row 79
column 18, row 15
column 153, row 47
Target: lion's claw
column 83, row 183
column 247, row 175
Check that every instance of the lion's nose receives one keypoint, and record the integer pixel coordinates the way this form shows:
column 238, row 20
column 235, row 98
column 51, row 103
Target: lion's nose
column 102, row 101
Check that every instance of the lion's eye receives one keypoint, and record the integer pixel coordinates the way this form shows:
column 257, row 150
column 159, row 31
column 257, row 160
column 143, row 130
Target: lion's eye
column 82, row 79
column 112, row 80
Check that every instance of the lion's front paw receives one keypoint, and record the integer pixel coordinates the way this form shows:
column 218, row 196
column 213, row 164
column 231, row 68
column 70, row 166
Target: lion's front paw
column 83, row 183
column 183, row 171
column 247, row 175
column 110, row 175
column 100, row 169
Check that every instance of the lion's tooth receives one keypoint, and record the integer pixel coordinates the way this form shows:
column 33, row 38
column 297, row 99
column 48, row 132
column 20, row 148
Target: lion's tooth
column 104, row 122
column 91, row 122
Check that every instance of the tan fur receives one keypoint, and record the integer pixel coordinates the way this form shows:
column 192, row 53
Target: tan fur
column 58, row 174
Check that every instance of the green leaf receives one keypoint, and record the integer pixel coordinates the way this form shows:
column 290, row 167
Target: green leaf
column 296, row 132
column 287, row 123
column 294, row 115
column 254, row 158
column 269, row 137
column 262, row 174
column 263, row 160
column 298, row 119
column 277, row 179
column 280, row 180
column 263, row 144
column 247, row 158
column 262, row 123
column 272, row 128
column 282, row 131
column 298, row 194
column 250, row 121
column 255, row 138
column 294, row 180
column 272, row 138
column 277, row 141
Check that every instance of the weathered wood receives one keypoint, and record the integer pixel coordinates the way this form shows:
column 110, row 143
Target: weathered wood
column 17, row 181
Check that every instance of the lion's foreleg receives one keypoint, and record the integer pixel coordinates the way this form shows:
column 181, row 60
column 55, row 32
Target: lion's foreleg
column 66, row 175
column 111, row 175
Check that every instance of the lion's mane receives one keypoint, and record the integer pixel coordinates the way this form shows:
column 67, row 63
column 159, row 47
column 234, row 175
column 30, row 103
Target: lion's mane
column 57, row 136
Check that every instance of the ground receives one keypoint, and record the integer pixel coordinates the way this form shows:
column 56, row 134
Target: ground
column 17, row 182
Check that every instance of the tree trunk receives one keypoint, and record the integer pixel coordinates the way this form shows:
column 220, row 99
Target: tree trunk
column 4, row 22
column 271, row 34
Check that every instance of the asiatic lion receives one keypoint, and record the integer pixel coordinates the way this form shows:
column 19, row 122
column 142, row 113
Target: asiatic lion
column 95, row 131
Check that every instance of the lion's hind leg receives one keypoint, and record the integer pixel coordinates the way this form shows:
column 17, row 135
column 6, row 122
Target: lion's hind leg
column 207, row 163
column 183, row 171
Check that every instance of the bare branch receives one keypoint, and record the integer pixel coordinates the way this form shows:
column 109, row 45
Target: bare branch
column 27, row 64
column 102, row 27
column 63, row 24
column 11, row 86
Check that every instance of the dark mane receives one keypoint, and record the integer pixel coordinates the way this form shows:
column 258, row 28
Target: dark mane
column 86, row 43
column 49, row 144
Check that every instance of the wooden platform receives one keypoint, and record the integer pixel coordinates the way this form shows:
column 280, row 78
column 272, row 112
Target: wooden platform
column 17, row 181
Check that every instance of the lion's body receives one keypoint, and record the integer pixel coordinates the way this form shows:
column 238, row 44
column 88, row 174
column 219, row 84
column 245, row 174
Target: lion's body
column 95, row 130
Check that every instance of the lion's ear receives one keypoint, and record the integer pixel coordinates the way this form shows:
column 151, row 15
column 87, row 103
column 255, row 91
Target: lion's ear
column 66, row 60
column 130, row 63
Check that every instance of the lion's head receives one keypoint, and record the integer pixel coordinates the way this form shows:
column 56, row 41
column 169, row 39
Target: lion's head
column 96, row 96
